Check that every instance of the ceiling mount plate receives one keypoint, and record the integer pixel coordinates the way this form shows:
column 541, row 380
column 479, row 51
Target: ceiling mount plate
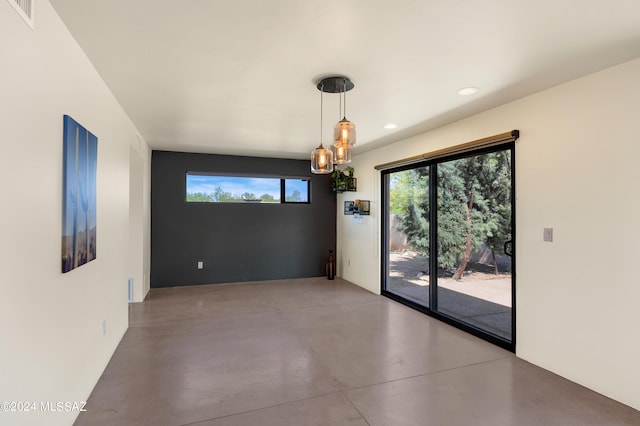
column 335, row 84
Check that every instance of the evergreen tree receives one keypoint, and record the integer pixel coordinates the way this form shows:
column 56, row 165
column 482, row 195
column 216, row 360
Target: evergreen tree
column 473, row 204
column 452, row 228
column 220, row 196
column 474, row 207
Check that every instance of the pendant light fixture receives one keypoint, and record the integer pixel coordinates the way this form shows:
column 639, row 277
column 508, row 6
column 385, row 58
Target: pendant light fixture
column 341, row 146
column 342, row 153
column 321, row 157
column 344, row 131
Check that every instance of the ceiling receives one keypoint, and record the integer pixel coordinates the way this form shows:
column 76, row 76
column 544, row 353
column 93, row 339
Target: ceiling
column 239, row 76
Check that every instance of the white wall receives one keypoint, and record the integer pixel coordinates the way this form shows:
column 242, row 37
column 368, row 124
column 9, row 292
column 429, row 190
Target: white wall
column 576, row 171
column 51, row 342
column 139, row 223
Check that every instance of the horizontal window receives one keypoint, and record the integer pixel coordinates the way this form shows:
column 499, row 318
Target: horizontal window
column 208, row 188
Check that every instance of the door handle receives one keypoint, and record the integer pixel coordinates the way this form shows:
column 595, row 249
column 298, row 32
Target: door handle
column 508, row 247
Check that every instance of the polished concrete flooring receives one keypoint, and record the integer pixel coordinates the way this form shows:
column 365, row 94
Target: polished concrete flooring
column 318, row 352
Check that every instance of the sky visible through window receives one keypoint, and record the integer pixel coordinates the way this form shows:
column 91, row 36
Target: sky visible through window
column 230, row 189
column 296, row 190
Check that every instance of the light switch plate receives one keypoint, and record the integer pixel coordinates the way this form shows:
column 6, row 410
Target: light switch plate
column 548, row 235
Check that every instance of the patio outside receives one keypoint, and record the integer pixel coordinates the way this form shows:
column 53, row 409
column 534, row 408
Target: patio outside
column 469, row 202
column 480, row 298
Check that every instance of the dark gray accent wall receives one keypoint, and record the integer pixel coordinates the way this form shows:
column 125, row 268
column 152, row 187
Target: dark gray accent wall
column 236, row 241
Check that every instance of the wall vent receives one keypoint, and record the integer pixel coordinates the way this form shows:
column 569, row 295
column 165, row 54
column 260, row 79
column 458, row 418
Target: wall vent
column 24, row 9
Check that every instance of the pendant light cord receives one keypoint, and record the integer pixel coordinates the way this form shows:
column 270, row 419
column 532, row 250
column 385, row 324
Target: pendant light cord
column 344, row 86
column 340, row 105
column 321, row 90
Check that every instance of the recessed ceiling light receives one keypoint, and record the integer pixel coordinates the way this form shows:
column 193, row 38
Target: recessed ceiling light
column 390, row 126
column 467, row 91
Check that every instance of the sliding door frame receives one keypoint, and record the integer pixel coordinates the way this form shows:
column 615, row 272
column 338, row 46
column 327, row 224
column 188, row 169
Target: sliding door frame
column 432, row 309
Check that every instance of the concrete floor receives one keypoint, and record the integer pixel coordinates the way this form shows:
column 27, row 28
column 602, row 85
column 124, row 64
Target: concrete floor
column 319, row 352
column 476, row 311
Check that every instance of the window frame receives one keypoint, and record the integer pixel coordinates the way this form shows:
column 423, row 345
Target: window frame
column 432, row 308
column 281, row 178
column 283, row 190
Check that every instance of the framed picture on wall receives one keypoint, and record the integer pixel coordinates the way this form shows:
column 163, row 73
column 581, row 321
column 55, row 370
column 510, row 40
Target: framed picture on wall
column 349, row 207
column 80, row 157
column 365, row 207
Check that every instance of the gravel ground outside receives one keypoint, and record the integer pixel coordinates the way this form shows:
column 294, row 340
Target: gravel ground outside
column 480, row 298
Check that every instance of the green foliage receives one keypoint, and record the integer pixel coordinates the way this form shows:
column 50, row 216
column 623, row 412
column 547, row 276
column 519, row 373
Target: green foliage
column 452, row 233
column 268, row 198
column 497, row 183
column 217, row 196
column 409, row 198
column 474, row 206
column 199, row 197
column 407, row 188
column 340, row 179
column 295, row 196
column 220, row 196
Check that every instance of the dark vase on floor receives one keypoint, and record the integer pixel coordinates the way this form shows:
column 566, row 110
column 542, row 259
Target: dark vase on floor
column 331, row 266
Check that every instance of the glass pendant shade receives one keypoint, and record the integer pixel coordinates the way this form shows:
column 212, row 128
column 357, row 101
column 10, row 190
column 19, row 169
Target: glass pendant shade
column 342, row 153
column 321, row 160
column 344, row 133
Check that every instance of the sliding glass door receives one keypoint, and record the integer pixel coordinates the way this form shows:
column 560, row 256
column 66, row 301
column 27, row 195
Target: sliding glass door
column 408, row 234
column 448, row 240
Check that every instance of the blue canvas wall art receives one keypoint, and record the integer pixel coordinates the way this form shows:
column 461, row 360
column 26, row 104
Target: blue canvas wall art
column 79, row 195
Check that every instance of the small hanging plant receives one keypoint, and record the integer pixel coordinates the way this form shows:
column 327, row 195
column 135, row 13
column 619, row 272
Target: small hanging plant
column 343, row 180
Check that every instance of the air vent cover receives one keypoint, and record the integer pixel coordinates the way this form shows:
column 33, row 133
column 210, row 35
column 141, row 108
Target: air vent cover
column 24, row 9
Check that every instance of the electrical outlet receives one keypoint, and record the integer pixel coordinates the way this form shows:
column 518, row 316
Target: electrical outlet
column 200, row 264
column 547, row 235
column 104, row 327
